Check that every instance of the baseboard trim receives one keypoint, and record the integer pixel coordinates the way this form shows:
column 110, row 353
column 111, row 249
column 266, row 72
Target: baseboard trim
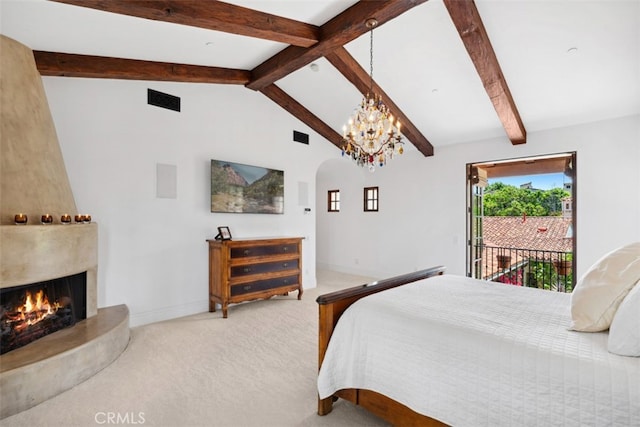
column 168, row 313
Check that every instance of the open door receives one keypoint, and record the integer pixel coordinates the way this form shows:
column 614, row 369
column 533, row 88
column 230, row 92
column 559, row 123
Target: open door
column 479, row 261
column 477, row 178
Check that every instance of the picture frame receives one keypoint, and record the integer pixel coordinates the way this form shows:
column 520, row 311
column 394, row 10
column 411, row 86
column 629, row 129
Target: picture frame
column 242, row 188
column 223, row 233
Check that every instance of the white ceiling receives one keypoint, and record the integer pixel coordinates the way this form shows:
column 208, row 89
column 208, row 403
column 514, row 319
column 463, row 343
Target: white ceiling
column 566, row 62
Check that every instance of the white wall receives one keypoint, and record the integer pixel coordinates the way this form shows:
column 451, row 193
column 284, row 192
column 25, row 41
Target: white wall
column 422, row 223
column 152, row 251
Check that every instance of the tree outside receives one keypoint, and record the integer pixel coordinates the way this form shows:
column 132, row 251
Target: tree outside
column 507, row 200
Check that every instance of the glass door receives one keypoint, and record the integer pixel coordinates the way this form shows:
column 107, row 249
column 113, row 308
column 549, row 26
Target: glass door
column 516, row 200
column 477, row 180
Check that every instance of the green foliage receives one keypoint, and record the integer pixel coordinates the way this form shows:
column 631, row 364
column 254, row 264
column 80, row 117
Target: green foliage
column 507, row 200
column 543, row 275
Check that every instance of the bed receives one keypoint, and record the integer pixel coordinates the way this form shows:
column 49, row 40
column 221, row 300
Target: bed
column 428, row 348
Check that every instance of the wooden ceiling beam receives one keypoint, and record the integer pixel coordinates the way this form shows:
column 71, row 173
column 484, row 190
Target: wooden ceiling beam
column 358, row 76
column 221, row 16
column 71, row 65
column 296, row 109
column 212, row 15
column 467, row 20
column 335, row 33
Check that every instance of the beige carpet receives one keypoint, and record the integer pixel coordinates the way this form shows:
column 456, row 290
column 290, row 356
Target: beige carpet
column 256, row 368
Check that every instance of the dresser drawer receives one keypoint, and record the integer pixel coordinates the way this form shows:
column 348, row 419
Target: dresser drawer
column 253, row 251
column 263, row 285
column 265, row 267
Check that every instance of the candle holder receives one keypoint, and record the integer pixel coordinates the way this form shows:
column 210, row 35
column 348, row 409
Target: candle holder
column 79, row 218
column 21, row 219
column 86, row 218
column 46, row 219
column 65, row 219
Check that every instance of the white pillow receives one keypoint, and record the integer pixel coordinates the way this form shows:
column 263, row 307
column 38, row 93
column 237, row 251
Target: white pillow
column 600, row 291
column 624, row 333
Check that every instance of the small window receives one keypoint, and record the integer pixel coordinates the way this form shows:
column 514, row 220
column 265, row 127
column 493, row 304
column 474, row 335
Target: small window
column 371, row 199
column 333, row 201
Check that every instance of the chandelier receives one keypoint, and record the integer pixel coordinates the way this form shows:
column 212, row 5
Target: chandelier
column 371, row 137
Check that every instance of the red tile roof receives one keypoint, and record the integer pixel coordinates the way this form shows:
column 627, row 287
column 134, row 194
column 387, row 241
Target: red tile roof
column 547, row 233
column 550, row 233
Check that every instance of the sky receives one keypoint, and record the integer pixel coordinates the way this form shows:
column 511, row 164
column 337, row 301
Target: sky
column 545, row 181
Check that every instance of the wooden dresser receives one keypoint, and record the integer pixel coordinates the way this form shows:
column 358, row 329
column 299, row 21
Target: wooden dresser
column 248, row 269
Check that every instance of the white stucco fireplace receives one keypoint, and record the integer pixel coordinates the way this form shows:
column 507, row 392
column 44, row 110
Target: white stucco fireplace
column 44, row 368
column 33, row 181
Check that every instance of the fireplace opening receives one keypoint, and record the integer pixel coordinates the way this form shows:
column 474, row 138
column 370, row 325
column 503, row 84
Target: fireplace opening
column 30, row 312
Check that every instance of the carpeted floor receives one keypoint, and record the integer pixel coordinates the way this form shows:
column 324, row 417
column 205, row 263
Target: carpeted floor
column 256, row 368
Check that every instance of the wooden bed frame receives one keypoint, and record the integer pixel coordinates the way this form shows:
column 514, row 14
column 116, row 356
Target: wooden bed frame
column 331, row 306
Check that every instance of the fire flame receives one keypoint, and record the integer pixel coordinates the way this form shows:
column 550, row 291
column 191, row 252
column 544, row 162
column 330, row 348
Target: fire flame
column 36, row 308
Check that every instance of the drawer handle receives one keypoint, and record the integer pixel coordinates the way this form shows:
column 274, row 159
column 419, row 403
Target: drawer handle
column 247, row 288
column 285, row 281
column 247, row 269
column 286, row 248
column 246, row 252
column 285, row 264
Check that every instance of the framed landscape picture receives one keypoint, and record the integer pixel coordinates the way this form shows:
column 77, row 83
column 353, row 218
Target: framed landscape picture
column 240, row 188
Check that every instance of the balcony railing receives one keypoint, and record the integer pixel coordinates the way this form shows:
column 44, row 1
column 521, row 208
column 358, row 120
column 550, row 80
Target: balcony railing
column 551, row 270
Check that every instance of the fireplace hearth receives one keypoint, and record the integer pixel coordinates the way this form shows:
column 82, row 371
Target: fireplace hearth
column 30, row 312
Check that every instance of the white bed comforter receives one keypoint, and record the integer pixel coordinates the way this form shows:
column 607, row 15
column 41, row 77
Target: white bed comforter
column 475, row 353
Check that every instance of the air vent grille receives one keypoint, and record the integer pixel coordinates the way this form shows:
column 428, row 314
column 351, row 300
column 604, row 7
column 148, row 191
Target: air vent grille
column 163, row 100
column 300, row 137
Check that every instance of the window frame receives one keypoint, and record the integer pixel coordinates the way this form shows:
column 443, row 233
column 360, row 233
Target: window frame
column 333, row 203
column 371, row 197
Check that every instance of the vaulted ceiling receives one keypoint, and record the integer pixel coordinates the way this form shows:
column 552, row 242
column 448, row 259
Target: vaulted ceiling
column 451, row 70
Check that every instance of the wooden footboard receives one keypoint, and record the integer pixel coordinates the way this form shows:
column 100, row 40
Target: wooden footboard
column 331, row 306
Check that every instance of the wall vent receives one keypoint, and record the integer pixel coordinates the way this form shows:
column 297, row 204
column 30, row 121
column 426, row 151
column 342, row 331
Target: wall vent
column 163, row 100
column 300, row 137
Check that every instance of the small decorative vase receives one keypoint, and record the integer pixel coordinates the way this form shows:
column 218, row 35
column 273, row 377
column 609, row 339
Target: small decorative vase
column 563, row 267
column 504, row 261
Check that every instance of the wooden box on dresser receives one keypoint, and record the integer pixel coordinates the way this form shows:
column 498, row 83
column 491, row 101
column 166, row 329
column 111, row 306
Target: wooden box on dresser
column 248, row 269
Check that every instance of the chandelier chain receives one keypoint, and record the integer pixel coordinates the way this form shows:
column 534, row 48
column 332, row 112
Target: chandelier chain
column 371, row 61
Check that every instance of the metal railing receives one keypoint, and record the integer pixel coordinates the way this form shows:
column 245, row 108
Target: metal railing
column 551, row 270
